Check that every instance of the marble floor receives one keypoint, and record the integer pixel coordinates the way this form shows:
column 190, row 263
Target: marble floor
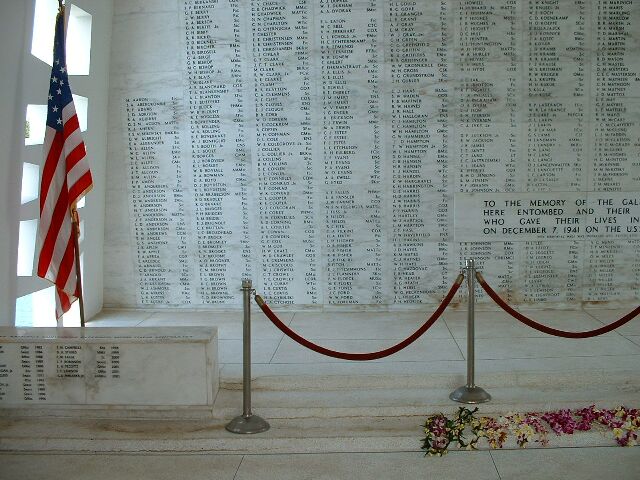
column 595, row 463
column 498, row 336
column 294, row 387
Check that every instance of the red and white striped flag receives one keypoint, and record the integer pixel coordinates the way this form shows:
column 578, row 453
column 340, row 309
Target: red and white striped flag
column 66, row 178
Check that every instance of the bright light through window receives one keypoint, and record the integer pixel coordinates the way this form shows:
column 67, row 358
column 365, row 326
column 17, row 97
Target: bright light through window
column 30, row 182
column 78, row 40
column 37, row 120
column 44, row 23
column 82, row 105
column 72, row 317
column 37, row 309
column 36, row 124
column 26, row 247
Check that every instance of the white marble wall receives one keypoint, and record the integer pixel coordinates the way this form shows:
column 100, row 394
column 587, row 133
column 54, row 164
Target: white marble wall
column 340, row 154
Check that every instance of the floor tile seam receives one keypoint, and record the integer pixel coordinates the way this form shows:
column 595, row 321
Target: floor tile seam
column 566, row 356
column 460, row 350
column 594, row 317
column 273, row 339
column 139, row 324
column 444, row 320
column 620, row 310
column 238, row 467
column 460, row 361
column 482, row 337
column 312, row 361
column 342, row 339
column 275, row 351
column 356, row 362
column 455, row 363
column 410, row 326
column 336, row 452
column 616, row 331
column 633, row 341
column 506, row 451
column 460, row 452
column 239, row 339
column 149, row 316
column 493, row 460
column 158, row 453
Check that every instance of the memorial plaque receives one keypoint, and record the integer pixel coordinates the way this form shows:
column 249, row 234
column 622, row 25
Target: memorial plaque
column 543, row 216
column 108, row 366
column 342, row 152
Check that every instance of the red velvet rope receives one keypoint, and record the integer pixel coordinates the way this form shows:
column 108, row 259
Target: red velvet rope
column 549, row 330
column 362, row 356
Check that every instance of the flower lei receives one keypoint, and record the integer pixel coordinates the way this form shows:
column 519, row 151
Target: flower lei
column 441, row 431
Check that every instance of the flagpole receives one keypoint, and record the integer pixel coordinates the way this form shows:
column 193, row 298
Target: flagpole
column 75, row 222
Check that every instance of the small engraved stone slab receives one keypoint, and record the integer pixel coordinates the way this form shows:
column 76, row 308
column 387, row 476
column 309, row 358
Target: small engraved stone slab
column 108, row 366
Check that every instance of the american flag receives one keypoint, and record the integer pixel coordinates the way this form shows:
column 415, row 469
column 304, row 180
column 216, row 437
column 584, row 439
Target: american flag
column 66, row 178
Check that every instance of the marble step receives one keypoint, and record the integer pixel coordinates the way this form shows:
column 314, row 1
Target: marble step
column 417, row 401
column 351, row 403
column 306, row 435
column 559, row 372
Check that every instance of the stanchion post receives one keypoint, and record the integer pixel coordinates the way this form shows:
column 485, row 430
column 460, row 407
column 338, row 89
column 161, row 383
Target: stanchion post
column 247, row 422
column 470, row 393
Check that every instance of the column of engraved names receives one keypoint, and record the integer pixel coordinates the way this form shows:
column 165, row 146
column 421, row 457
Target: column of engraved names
column 556, row 92
column 615, row 92
column 611, row 269
column 69, row 361
column 419, row 102
column 556, row 105
column 212, row 31
column 304, row 11
column 349, row 37
column 5, row 371
column 550, row 271
column 157, row 201
column 488, row 87
column 289, row 256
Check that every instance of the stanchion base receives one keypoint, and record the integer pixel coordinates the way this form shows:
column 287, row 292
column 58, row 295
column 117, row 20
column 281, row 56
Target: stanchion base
column 250, row 424
column 472, row 395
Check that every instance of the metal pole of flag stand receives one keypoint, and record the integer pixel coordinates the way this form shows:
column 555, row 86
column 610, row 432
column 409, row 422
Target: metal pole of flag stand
column 247, row 422
column 75, row 225
column 470, row 393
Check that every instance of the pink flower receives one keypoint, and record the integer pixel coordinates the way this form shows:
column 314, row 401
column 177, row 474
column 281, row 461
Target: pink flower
column 441, row 431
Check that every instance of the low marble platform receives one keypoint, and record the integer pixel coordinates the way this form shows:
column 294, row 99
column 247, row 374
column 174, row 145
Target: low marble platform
column 111, row 367
column 317, row 404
